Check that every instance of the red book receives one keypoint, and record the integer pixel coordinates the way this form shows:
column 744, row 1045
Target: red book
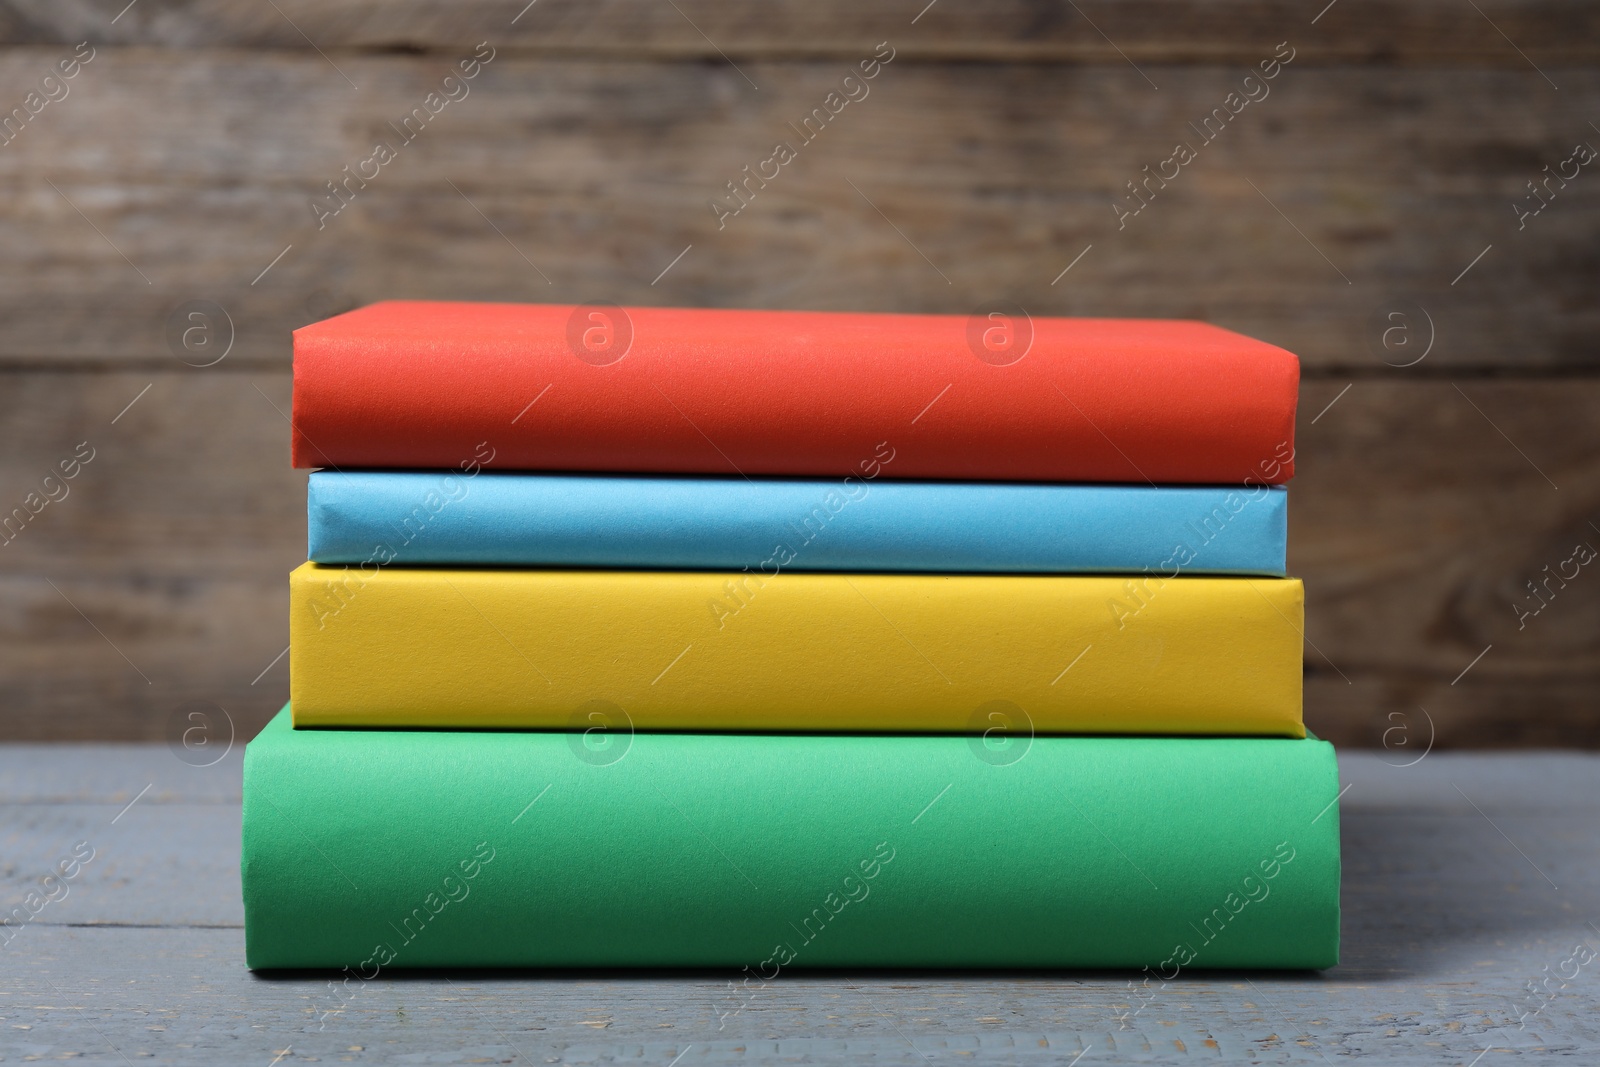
column 695, row 391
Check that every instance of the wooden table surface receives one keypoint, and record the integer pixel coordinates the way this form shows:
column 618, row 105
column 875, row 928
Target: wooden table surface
column 1467, row 878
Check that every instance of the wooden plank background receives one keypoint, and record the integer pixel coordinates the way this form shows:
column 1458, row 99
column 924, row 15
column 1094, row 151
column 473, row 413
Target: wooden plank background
column 1378, row 175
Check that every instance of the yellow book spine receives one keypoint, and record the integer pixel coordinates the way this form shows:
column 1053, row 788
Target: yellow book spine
column 812, row 652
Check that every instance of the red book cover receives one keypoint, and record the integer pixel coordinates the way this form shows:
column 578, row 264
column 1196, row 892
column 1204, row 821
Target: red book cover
column 995, row 397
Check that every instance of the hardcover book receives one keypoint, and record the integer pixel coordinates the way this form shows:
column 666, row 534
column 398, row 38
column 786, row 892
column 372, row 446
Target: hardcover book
column 371, row 850
column 747, row 393
column 771, row 525
column 715, row 650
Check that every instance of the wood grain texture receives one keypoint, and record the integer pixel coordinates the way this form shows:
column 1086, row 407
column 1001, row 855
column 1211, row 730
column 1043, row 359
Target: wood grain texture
column 176, row 540
column 1420, row 513
column 1377, row 178
column 1097, row 31
column 1445, row 921
column 167, row 176
column 161, row 577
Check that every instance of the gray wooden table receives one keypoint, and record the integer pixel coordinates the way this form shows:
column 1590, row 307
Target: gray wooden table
column 1468, row 879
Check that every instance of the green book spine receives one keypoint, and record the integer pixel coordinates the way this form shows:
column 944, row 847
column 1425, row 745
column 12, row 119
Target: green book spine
column 370, row 850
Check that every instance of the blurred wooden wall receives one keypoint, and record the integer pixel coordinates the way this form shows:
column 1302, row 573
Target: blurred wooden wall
column 1378, row 176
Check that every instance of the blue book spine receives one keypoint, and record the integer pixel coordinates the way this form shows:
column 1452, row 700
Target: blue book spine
column 850, row 524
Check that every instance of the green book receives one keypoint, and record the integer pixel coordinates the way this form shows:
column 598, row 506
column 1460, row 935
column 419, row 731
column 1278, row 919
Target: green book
column 376, row 849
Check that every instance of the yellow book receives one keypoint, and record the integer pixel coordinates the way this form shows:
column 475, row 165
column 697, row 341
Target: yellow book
column 686, row 650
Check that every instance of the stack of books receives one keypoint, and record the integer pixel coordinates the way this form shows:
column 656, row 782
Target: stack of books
column 655, row 637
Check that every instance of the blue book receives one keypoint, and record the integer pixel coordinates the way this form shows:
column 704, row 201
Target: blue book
column 775, row 524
